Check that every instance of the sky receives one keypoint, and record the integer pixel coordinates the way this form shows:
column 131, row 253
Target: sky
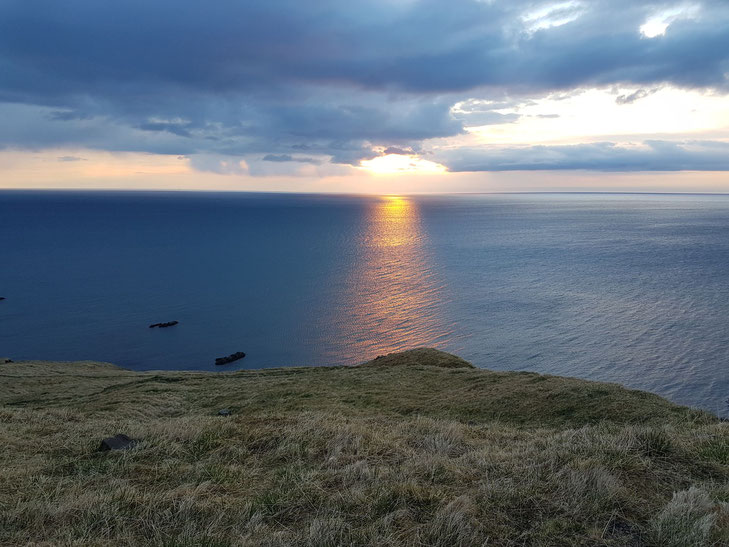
column 397, row 96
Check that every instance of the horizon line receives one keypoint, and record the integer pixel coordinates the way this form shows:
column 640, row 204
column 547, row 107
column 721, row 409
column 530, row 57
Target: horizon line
column 358, row 194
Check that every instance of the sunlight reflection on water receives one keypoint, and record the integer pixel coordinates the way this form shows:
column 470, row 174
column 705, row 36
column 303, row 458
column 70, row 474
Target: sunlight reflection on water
column 394, row 296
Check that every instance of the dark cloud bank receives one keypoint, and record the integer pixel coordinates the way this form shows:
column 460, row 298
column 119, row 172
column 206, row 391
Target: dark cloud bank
column 292, row 81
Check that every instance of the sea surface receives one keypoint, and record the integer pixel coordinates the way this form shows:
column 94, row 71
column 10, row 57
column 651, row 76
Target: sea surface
column 622, row 288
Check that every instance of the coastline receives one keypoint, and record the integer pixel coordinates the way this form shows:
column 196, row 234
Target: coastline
column 413, row 447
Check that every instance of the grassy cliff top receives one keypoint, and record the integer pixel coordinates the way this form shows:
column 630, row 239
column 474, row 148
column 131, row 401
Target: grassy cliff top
column 415, row 448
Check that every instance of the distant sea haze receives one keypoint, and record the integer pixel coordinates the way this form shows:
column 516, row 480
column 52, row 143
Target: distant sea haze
column 622, row 288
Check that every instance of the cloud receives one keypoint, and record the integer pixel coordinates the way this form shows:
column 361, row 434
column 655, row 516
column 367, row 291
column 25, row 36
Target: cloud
column 474, row 118
column 281, row 158
column 651, row 155
column 176, row 127
column 630, row 98
column 70, row 158
column 67, row 115
column 397, row 151
column 339, row 80
column 222, row 165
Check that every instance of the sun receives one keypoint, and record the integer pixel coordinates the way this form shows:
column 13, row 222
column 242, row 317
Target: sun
column 401, row 163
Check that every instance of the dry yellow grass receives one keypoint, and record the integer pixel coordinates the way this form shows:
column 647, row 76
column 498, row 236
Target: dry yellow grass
column 413, row 449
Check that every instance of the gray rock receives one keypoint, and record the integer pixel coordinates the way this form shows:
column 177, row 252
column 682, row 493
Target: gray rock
column 5, row 360
column 224, row 412
column 117, row 442
column 230, row 358
column 164, row 325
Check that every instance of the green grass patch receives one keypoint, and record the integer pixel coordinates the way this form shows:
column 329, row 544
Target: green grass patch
column 410, row 449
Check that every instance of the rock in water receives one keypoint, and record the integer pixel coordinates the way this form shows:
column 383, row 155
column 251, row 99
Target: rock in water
column 230, row 358
column 163, row 325
column 117, row 442
column 2, row 298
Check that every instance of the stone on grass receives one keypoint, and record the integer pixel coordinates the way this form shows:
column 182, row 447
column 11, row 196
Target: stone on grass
column 117, row 442
column 224, row 412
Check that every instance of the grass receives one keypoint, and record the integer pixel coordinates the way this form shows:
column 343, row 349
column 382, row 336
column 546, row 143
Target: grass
column 417, row 448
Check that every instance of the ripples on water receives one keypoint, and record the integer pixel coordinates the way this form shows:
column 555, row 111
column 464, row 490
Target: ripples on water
column 394, row 297
column 626, row 288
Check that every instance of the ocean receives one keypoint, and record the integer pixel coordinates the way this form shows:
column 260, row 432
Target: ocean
column 621, row 288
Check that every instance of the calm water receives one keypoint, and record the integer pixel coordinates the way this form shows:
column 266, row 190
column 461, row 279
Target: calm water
column 625, row 288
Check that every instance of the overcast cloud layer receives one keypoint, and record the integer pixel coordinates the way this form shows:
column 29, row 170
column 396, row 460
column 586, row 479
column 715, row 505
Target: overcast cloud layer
column 287, row 81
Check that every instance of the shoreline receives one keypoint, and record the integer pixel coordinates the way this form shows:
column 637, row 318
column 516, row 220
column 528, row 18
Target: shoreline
column 92, row 364
column 418, row 447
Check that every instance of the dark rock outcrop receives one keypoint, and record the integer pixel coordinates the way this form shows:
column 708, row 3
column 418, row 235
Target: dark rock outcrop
column 117, row 442
column 230, row 358
column 164, row 325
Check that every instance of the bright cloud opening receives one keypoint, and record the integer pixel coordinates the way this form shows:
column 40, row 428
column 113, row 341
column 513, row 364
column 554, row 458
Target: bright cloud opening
column 653, row 28
column 659, row 23
column 552, row 15
column 401, row 163
column 610, row 114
